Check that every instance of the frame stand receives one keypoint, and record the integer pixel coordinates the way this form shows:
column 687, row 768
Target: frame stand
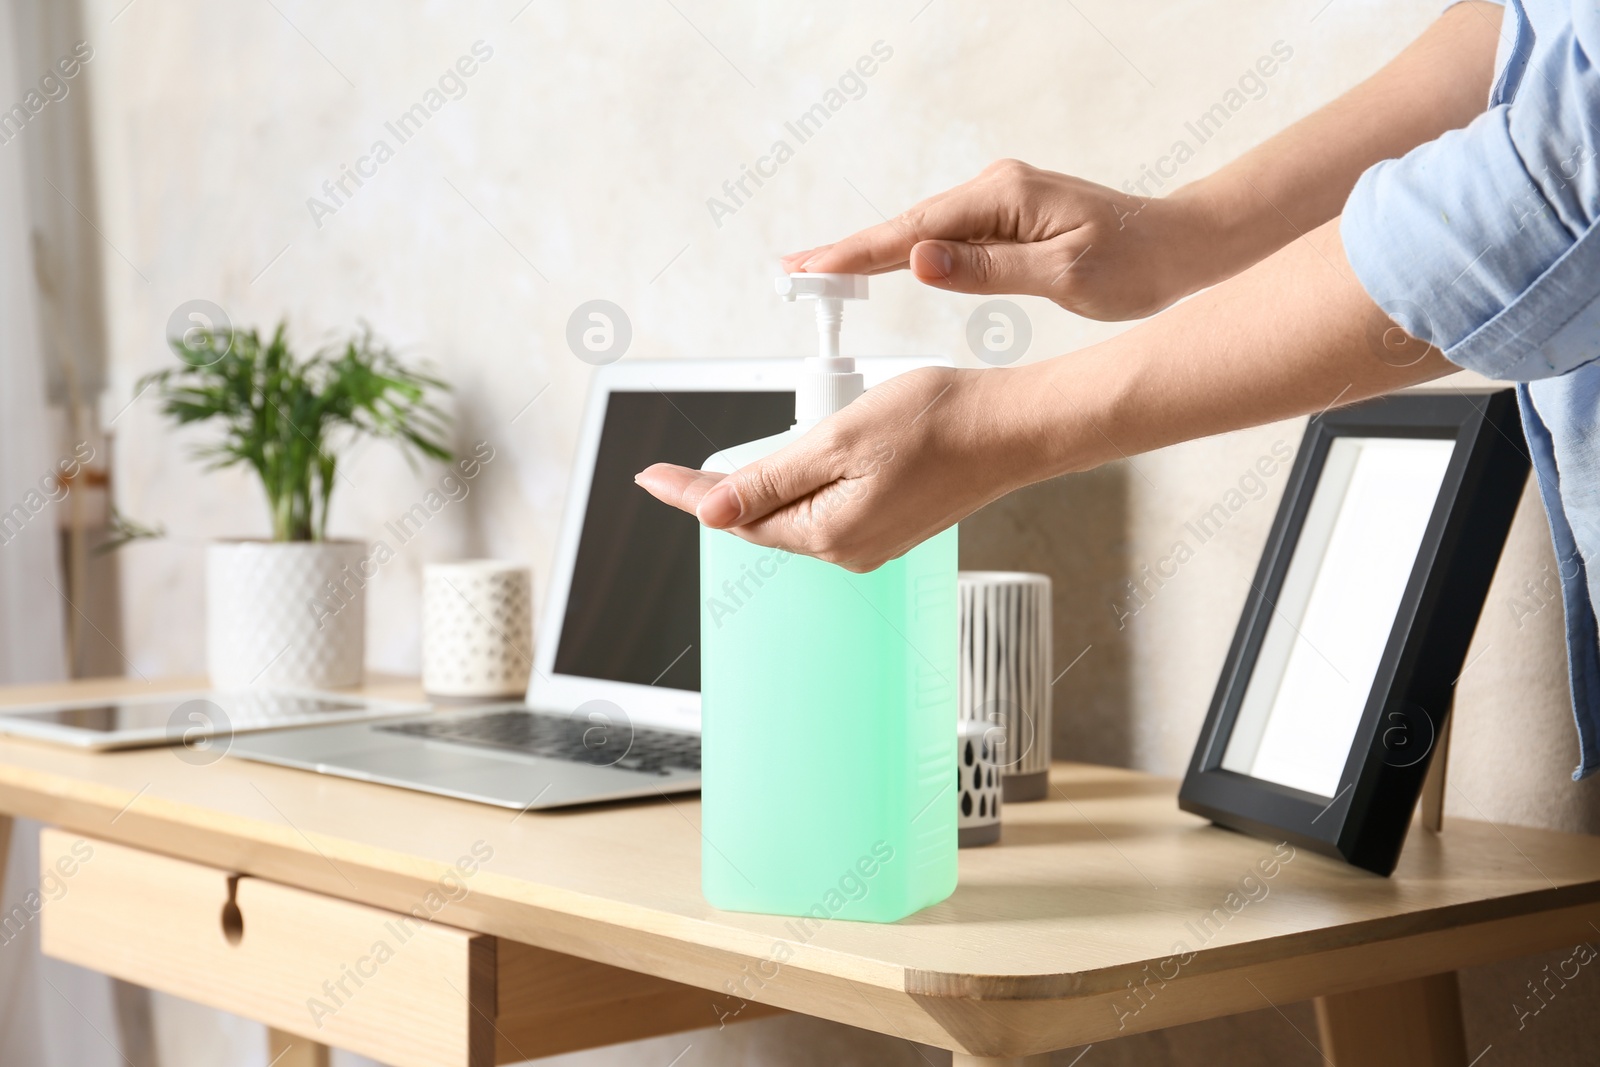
column 1433, row 786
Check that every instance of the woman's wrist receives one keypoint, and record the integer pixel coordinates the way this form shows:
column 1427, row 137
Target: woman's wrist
column 1224, row 227
column 1051, row 415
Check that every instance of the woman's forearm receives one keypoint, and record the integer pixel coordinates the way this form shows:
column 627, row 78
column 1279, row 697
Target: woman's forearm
column 1293, row 335
column 1299, row 179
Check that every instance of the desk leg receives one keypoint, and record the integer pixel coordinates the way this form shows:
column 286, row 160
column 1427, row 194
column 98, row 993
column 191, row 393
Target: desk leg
column 136, row 1031
column 131, row 1004
column 291, row 1050
column 961, row 1059
column 1407, row 1024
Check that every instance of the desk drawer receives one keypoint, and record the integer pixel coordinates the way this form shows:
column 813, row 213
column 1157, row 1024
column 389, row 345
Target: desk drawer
column 403, row 991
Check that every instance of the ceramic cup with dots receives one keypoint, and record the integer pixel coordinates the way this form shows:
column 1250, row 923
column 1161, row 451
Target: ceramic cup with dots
column 477, row 628
column 978, row 781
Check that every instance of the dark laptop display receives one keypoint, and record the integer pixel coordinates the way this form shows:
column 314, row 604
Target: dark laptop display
column 633, row 612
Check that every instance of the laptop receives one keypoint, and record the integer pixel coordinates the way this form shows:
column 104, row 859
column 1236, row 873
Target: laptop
column 613, row 704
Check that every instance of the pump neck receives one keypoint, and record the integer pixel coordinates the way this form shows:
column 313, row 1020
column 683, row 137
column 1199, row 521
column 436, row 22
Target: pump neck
column 830, row 318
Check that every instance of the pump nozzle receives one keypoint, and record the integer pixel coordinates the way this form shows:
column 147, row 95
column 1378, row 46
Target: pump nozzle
column 830, row 291
column 829, row 381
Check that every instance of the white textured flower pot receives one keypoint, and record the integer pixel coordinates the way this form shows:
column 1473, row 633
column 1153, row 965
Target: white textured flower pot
column 285, row 613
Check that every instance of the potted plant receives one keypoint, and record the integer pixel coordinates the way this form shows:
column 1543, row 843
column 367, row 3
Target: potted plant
column 268, row 613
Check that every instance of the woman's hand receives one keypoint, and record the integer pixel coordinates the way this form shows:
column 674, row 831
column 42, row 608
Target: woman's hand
column 1110, row 255
column 1017, row 229
column 867, row 484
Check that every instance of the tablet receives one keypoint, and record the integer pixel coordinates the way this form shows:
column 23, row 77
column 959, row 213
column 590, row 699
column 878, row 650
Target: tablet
column 187, row 717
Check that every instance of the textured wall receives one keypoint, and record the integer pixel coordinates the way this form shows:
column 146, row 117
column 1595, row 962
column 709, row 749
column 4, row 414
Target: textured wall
column 578, row 165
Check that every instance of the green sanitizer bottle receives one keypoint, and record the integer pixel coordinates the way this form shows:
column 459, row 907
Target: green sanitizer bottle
column 828, row 701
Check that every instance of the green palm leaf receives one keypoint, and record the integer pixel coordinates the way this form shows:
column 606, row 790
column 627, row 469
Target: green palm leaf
column 286, row 419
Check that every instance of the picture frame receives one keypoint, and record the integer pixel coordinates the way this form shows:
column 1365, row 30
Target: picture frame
column 1322, row 727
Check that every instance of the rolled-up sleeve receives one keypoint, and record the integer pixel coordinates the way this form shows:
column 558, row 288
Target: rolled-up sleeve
column 1484, row 241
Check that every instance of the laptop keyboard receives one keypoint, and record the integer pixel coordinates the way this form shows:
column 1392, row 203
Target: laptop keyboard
column 563, row 737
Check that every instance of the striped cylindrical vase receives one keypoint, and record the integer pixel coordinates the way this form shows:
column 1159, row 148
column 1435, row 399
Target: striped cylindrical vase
column 1005, row 671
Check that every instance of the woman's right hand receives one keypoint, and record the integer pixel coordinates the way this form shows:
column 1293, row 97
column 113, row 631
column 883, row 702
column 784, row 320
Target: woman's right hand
column 1095, row 251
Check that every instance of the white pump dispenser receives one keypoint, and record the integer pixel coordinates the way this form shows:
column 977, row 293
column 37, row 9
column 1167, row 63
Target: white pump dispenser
column 828, row 381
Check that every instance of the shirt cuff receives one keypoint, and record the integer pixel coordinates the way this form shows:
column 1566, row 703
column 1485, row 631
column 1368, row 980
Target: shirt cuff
column 1456, row 242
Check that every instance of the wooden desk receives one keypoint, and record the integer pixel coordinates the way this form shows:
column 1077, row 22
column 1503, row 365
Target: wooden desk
column 1104, row 911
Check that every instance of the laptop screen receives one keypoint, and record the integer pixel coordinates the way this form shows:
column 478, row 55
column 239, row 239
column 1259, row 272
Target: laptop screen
column 633, row 610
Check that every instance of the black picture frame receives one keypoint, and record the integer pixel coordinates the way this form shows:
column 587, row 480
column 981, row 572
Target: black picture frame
column 1410, row 699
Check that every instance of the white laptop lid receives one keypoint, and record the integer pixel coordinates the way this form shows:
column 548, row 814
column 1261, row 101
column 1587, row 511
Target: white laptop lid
column 621, row 620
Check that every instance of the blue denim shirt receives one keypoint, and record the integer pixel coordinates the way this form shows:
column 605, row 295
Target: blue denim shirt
column 1484, row 242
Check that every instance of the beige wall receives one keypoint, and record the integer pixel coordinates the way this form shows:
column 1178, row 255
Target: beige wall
column 578, row 165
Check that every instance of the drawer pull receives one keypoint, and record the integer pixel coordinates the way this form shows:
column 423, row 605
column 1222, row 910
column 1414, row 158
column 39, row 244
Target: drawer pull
column 232, row 917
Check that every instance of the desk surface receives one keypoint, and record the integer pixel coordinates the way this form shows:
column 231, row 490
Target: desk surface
column 1104, row 909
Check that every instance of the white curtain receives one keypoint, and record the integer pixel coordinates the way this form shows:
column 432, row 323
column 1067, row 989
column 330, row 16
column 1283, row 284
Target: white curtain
column 51, row 1014
column 30, row 623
